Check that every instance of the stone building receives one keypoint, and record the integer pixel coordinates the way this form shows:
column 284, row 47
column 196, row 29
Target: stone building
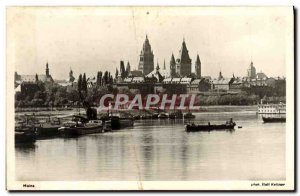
column 33, row 78
column 146, row 63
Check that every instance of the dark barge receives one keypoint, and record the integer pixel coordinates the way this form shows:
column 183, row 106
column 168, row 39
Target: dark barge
column 274, row 119
column 193, row 127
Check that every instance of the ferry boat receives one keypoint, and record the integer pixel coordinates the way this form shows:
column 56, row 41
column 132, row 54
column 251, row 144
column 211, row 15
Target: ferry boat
column 271, row 108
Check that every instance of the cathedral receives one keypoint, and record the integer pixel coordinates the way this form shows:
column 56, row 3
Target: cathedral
column 146, row 64
column 183, row 62
column 198, row 67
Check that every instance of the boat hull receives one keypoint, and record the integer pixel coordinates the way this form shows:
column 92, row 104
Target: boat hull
column 25, row 137
column 45, row 132
column 194, row 128
column 274, row 120
column 77, row 131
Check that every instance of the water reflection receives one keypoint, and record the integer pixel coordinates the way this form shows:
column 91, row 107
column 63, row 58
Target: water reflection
column 25, row 148
column 162, row 150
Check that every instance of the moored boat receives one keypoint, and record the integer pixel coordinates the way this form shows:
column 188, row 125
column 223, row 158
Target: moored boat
column 193, row 127
column 163, row 116
column 25, row 135
column 116, row 122
column 274, row 119
column 271, row 108
column 79, row 128
column 176, row 115
column 154, row 116
column 49, row 128
column 189, row 115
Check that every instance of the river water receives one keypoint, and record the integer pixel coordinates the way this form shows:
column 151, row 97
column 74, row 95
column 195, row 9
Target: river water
column 162, row 150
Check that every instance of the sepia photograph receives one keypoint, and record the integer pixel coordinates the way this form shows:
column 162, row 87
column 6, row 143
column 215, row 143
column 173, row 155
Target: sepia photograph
column 150, row 98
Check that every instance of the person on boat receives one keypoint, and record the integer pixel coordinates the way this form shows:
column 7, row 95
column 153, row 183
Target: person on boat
column 208, row 123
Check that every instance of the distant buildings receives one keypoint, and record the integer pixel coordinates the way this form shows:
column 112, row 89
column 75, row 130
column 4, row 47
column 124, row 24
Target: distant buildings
column 175, row 78
column 34, row 78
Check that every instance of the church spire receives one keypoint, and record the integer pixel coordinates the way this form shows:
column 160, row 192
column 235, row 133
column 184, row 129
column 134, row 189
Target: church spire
column 198, row 67
column 146, row 62
column 172, row 66
column 157, row 66
column 47, row 69
column 184, row 62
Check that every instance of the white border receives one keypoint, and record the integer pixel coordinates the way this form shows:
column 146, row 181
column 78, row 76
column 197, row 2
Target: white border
column 55, row 2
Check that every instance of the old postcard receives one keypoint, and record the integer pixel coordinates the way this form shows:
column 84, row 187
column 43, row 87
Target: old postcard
column 150, row 98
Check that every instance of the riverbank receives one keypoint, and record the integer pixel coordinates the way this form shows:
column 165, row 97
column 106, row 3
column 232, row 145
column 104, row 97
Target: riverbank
column 60, row 111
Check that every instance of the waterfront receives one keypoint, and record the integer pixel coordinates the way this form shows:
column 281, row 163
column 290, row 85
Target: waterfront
column 162, row 150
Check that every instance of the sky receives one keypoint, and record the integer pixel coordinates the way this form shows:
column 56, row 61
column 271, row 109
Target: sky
column 91, row 39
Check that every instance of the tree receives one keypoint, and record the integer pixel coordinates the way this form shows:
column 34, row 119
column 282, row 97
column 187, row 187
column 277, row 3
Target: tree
column 79, row 83
column 117, row 73
column 36, row 78
column 105, row 78
column 84, row 84
column 99, row 78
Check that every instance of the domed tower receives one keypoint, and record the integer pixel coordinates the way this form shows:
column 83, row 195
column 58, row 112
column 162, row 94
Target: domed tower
column 251, row 71
column 146, row 64
column 198, row 67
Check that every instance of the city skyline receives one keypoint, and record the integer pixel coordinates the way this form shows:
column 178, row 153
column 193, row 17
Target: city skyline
column 226, row 44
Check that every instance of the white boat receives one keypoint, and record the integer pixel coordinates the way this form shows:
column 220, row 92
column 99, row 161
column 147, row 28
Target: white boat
column 271, row 108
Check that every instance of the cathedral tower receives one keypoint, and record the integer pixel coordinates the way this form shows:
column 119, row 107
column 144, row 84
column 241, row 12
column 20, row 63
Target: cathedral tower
column 47, row 70
column 251, row 71
column 184, row 62
column 198, row 67
column 146, row 64
column 172, row 66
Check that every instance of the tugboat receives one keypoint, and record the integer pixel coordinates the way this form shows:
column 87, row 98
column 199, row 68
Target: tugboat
column 193, row 127
column 274, row 119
